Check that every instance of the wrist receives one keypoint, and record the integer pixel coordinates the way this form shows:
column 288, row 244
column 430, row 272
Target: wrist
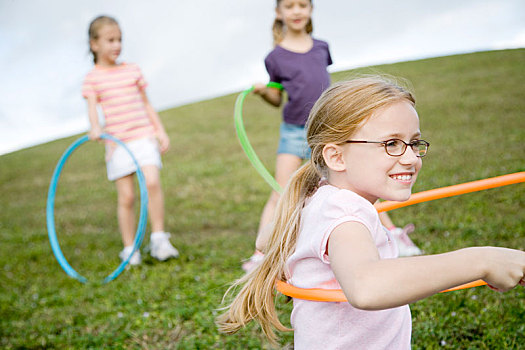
column 476, row 259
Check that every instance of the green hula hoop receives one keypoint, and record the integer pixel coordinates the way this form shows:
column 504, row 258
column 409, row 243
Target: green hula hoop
column 245, row 143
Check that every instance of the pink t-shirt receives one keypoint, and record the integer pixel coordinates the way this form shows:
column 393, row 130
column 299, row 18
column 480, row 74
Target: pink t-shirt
column 118, row 90
column 335, row 325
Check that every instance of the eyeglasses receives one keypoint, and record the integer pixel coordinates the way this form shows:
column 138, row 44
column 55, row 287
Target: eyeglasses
column 397, row 147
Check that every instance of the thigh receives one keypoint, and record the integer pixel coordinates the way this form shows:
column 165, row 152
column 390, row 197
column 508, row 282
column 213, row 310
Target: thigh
column 125, row 187
column 286, row 165
column 151, row 174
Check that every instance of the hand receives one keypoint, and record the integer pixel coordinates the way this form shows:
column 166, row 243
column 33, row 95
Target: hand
column 94, row 133
column 259, row 89
column 505, row 268
column 164, row 141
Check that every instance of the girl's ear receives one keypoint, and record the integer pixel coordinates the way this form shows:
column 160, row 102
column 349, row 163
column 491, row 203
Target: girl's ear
column 333, row 157
column 93, row 45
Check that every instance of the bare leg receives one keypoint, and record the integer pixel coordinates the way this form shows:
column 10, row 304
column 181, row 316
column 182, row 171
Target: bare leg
column 286, row 165
column 125, row 209
column 155, row 197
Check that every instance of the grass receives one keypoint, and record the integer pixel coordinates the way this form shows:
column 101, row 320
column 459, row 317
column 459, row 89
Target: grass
column 471, row 109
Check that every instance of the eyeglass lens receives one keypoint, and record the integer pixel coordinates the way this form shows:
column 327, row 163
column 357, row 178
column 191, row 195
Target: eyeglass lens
column 397, row 147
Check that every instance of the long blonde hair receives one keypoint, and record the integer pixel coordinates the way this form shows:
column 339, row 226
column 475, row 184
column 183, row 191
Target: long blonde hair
column 340, row 111
column 278, row 27
column 94, row 29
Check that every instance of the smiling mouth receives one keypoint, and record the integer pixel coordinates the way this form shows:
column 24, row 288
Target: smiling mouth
column 402, row 177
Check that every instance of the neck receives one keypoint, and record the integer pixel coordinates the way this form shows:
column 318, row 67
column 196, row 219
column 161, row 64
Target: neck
column 297, row 41
column 338, row 179
column 106, row 64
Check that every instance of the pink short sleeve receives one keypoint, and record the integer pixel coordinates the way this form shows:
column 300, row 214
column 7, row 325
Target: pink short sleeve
column 87, row 88
column 346, row 206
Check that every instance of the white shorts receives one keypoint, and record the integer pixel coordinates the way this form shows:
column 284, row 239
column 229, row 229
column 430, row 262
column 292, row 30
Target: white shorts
column 119, row 163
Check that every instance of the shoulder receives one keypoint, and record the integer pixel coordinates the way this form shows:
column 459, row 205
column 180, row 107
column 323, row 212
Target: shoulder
column 91, row 73
column 320, row 43
column 273, row 55
column 336, row 203
column 129, row 67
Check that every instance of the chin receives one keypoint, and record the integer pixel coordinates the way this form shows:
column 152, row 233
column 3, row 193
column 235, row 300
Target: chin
column 400, row 196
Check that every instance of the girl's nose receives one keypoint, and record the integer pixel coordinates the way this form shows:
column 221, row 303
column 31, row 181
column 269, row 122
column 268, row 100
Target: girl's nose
column 409, row 157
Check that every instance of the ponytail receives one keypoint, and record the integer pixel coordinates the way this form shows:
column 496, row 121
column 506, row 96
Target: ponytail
column 277, row 31
column 256, row 298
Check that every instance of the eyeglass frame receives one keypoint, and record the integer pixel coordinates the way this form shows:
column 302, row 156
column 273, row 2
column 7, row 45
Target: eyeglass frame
column 384, row 143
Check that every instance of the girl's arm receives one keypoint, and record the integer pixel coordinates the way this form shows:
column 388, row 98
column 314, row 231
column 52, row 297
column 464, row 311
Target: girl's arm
column 271, row 95
column 370, row 283
column 96, row 130
column 161, row 134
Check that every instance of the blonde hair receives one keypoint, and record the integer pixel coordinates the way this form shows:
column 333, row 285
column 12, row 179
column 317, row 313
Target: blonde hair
column 278, row 27
column 340, row 111
column 94, row 29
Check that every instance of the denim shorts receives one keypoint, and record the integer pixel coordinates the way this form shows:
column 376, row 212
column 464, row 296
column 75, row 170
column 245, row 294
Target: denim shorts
column 293, row 140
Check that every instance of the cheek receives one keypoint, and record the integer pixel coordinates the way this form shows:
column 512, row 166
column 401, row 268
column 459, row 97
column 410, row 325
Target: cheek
column 419, row 164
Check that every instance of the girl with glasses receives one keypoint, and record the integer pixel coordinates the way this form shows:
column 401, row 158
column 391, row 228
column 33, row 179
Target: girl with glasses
column 366, row 144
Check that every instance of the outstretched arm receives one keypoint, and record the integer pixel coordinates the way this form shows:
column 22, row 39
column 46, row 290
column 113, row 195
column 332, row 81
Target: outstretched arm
column 371, row 283
column 160, row 132
column 271, row 95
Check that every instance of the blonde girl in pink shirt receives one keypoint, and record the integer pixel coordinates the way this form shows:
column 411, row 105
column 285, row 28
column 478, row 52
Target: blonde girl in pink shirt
column 366, row 144
column 119, row 89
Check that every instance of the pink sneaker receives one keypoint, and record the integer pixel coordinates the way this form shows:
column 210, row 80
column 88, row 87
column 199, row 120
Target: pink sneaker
column 404, row 243
column 253, row 261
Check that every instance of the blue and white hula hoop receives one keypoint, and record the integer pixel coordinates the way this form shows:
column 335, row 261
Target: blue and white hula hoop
column 50, row 211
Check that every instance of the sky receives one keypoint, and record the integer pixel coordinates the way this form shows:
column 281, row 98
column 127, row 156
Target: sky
column 194, row 50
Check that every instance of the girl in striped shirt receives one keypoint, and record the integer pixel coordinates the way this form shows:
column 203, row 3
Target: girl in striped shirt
column 119, row 89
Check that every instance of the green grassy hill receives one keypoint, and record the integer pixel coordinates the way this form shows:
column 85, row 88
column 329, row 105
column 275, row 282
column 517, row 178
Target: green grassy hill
column 472, row 112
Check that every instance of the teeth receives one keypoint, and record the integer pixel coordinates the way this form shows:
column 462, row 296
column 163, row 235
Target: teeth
column 402, row 177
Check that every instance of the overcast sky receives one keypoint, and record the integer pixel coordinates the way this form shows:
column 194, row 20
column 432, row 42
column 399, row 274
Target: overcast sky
column 193, row 50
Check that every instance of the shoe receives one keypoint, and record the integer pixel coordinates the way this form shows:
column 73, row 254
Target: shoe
column 135, row 258
column 161, row 248
column 404, row 243
column 253, row 261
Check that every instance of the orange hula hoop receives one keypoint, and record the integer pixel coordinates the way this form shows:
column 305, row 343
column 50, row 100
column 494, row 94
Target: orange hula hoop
column 337, row 295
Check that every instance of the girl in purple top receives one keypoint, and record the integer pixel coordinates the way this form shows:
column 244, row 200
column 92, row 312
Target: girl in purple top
column 299, row 63
column 366, row 144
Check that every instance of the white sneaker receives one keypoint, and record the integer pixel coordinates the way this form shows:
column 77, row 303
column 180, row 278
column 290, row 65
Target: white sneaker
column 404, row 243
column 135, row 258
column 161, row 248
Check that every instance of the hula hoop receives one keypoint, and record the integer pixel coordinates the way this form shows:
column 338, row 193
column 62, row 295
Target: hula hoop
column 337, row 295
column 245, row 143
column 454, row 190
column 50, row 211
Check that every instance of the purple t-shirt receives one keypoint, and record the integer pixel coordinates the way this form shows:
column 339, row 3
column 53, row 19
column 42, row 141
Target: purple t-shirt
column 303, row 76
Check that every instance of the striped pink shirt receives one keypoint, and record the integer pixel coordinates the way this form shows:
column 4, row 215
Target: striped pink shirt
column 118, row 90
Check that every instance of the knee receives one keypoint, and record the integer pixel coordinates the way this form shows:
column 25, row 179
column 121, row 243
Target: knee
column 126, row 199
column 153, row 184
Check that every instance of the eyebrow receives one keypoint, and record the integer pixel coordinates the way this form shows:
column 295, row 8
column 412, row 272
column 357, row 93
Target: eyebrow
column 399, row 136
